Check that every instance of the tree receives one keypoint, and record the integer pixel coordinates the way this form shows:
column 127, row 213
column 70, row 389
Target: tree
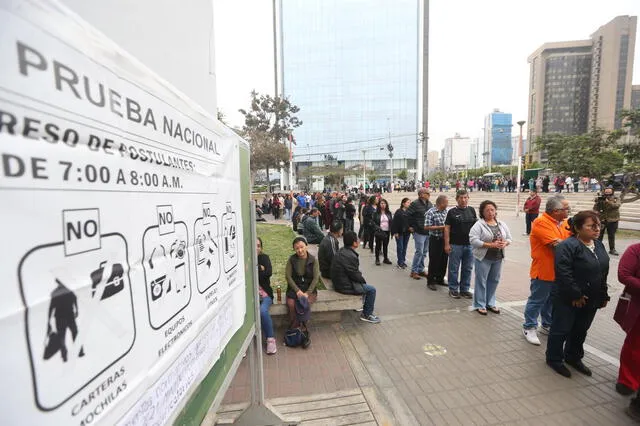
column 593, row 154
column 403, row 174
column 598, row 154
column 267, row 124
column 221, row 116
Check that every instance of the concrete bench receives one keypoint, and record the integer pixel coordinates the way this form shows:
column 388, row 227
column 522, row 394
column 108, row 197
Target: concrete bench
column 328, row 307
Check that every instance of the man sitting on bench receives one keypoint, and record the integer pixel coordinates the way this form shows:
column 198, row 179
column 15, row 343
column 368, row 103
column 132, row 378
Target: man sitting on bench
column 310, row 228
column 328, row 248
column 347, row 278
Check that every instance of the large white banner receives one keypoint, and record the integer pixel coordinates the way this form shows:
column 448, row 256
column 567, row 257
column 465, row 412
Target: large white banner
column 121, row 270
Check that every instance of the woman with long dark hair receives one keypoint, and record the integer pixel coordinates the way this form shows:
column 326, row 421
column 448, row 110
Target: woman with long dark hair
column 361, row 205
column 302, row 273
column 581, row 269
column 266, row 297
column 400, row 231
column 629, row 373
column 382, row 229
column 367, row 219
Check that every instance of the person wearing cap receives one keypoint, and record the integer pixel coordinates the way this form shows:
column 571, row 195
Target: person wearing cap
column 416, row 214
column 531, row 209
column 608, row 207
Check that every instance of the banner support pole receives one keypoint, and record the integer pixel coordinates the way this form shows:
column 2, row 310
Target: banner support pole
column 259, row 412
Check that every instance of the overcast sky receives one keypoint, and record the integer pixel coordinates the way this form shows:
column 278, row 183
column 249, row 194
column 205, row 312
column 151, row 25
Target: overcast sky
column 478, row 54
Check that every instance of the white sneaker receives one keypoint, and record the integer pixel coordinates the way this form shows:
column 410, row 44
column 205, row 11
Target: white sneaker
column 531, row 336
column 545, row 330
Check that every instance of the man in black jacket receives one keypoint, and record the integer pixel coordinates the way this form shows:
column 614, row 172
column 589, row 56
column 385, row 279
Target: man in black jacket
column 416, row 216
column 347, row 278
column 328, row 248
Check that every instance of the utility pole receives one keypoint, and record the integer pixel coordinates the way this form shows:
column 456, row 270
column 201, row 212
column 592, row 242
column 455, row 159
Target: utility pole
column 520, row 123
column 419, row 162
column 364, row 169
column 390, row 148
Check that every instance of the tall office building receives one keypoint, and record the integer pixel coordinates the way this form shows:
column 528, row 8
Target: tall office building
column 497, row 138
column 576, row 86
column 357, row 70
column 635, row 97
column 457, row 153
column 434, row 161
column 515, row 140
column 475, row 154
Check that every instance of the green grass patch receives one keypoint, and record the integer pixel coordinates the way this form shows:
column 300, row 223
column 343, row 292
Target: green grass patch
column 277, row 241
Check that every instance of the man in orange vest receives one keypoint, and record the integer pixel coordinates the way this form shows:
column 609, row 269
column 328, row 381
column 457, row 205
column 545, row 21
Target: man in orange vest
column 547, row 232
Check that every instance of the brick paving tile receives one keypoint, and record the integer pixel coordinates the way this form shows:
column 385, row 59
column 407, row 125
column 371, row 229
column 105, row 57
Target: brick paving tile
column 489, row 374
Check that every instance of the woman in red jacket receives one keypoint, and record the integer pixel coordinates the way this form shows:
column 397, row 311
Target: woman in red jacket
column 531, row 209
column 629, row 375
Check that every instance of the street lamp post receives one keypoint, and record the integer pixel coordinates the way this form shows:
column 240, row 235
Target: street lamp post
column 364, row 169
column 281, row 174
column 520, row 123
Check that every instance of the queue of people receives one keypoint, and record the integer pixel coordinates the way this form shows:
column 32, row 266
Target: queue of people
column 568, row 272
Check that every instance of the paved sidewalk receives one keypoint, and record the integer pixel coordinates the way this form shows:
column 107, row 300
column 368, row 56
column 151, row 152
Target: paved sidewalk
column 433, row 361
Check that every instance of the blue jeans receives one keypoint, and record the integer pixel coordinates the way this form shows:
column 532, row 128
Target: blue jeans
column 287, row 214
column 369, row 297
column 422, row 248
column 538, row 303
column 401, row 247
column 487, row 279
column 461, row 257
column 265, row 317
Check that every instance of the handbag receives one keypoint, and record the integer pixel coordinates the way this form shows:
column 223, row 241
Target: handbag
column 627, row 312
column 380, row 234
column 297, row 337
column 52, row 343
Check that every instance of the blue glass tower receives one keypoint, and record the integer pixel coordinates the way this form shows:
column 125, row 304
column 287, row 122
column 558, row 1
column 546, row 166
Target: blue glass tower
column 498, row 145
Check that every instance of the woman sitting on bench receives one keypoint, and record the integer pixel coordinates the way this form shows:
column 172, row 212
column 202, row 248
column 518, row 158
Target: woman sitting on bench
column 302, row 273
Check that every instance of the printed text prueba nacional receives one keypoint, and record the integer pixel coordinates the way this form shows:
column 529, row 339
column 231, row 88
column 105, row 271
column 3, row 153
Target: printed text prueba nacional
column 82, row 87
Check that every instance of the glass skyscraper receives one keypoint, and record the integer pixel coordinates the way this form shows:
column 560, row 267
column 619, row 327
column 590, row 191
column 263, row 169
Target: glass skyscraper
column 498, row 138
column 352, row 66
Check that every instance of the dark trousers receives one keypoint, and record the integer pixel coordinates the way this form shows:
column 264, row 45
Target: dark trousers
column 438, row 259
column 382, row 243
column 529, row 218
column 368, row 236
column 348, row 224
column 611, row 228
column 569, row 328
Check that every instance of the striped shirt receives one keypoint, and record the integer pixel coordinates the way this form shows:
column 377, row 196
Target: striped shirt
column 435, row 217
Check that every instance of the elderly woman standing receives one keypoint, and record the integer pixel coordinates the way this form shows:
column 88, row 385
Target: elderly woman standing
column 581, row 267
column 488, row 237
column 629, row 374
